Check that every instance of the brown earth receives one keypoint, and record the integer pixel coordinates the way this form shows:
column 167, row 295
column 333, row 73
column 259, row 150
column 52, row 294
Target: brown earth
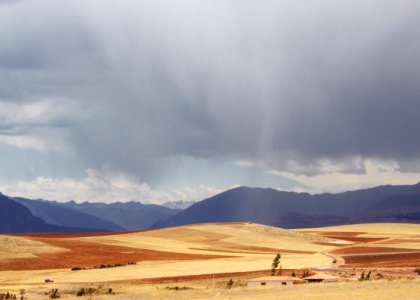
column 366, row 250
column 354, row 238
column 338, row 233
column 396, row 260
column 402, row 241
column 88, row 254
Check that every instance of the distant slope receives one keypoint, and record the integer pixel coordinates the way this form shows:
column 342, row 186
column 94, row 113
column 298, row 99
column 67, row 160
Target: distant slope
column 294, row 210
column 16, row 218
column 130, row 215
column 53, row 213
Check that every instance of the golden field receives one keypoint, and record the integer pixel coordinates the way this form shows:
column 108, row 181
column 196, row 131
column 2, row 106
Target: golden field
column 204, row 257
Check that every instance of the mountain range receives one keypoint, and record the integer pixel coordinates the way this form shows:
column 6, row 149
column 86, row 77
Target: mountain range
column 296, row 210
column 243, row 204
column 17, row 218
column 21, row 215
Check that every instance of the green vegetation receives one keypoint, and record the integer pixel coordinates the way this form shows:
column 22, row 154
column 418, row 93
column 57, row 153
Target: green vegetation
column 230, row 283
column 275, row 264
column 85, row 291
column 365, row 277
column 54, row 294
column 305, row 274
column 7, row 295
column 178, row 288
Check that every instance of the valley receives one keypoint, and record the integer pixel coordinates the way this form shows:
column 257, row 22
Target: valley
column 206, row 256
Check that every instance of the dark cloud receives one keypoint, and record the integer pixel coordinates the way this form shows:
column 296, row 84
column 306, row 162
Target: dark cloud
column 275, row 83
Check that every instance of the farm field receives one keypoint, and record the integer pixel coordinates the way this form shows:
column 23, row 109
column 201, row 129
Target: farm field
column 204, row 257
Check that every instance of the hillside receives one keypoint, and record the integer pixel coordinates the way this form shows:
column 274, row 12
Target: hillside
column 16, row 218
column 52, row 213
column 204, row 251
column 129, row 215
column 294, row 210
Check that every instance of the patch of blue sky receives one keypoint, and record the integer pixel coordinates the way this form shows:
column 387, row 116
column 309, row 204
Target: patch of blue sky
column 26, row 164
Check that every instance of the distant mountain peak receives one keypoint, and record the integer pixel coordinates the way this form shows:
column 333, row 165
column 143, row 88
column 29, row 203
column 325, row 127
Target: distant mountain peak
column 178, row 204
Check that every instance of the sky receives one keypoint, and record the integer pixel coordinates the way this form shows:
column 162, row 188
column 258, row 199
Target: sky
column 157, row 101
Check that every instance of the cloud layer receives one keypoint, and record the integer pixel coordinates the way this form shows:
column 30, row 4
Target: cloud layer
column 103, row 186
column 303, row 88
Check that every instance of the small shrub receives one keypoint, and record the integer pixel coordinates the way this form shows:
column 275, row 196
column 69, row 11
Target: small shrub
column 85, row 291
column 7, row 295
column 80, row 292
column 417, row 270
column 54, row 294
column 305, row 274
column 76, row 268
column 109, row 291
column 230, row 283
column 178, row 288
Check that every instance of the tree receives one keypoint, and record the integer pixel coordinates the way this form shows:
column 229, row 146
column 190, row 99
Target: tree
column 275, row 264
column 293, row 274
column 362, row 276
column 305, row 274
column 230, row 283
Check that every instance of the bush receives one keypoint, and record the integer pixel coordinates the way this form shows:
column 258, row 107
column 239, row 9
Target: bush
column 7, row 296
column 365, row 277
column 54, row 294
column 230, row 283
column 305, row 274
column 178, row 288
column 85, row 291
column 417, row 270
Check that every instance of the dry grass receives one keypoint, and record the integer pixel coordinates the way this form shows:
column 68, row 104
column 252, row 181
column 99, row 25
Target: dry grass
column 20, row 247
column 372, row 290
column 198, row 251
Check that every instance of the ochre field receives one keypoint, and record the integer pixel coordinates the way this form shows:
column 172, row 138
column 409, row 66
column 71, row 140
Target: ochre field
column 202, row 258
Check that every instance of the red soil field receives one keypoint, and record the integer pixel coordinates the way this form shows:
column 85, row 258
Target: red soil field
column 338, row 233
column 354, row 238
column 87, row 254
column 329, row 244
column 399, row 260
column 367, row 250
column 402, row 241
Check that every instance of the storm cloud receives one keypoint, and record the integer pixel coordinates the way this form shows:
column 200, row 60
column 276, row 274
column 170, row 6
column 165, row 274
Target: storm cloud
column 303, row 87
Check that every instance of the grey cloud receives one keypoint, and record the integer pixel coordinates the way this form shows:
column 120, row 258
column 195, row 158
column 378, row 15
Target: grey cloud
column 234, row 80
